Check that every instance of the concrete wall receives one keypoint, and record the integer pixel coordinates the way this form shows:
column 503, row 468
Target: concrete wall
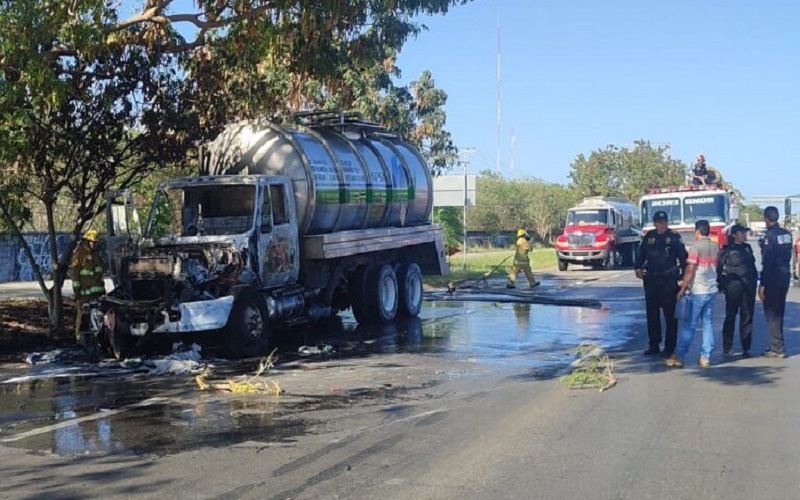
column 14, row 264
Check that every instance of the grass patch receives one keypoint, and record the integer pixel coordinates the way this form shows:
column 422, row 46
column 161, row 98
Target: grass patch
column 480, row 262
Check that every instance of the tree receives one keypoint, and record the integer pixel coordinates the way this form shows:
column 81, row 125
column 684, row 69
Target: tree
column 616, row 171
column 452, row 220
column 72, row 127
column 91, row 100
column 751, row 213
column 531, row 203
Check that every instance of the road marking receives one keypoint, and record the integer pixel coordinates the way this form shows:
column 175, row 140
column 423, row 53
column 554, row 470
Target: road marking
column 88, row 418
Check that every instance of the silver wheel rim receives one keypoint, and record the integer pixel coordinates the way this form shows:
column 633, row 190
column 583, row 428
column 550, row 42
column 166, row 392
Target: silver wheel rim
column 253, row 321
column 388, row 294
column 414, row 290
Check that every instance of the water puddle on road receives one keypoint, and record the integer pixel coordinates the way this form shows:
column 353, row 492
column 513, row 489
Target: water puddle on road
column 81, row 410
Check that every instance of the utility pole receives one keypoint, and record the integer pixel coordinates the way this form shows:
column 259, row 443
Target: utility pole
column 513, row 157
column 497, row 155
column 465, row 162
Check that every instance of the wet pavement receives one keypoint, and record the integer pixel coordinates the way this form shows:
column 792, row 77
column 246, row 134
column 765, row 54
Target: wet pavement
column 77, row 409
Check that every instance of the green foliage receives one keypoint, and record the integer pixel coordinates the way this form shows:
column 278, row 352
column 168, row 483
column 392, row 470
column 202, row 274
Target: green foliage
column 755, row 213
column 506, row 205
column 332, row 55
column 616, row 171
column 452, row 219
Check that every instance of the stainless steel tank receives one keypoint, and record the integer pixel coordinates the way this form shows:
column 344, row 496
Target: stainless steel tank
column 347, row 174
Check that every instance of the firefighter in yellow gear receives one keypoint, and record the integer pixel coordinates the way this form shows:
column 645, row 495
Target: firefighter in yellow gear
column 522, row 261
column 87, row 276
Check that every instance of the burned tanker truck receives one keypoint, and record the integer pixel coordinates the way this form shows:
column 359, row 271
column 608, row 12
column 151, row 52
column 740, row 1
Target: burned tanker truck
column 286, row 224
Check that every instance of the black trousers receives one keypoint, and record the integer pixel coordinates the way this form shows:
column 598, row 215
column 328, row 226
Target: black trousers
column 740, row 298
column 774, row 308
column 660, row 295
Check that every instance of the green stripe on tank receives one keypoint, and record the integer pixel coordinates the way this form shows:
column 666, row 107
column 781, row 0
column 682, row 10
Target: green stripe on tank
column 344, row 196
column 360, row 196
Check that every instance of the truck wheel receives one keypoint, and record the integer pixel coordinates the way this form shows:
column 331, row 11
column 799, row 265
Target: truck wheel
column 358, row 295
column 628, row 254
column 610, row 261
column 119, row 339
column 409, row 281
column 562, row 265
column 247, row 331
column 382, row 296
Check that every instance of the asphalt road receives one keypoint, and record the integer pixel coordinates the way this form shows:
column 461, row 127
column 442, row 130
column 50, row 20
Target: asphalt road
column 465, row 403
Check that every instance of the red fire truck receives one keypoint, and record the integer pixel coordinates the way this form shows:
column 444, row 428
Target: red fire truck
column 686, row 205
column 600, row 231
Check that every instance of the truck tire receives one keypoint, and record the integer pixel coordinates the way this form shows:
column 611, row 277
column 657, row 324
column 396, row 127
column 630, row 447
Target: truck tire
column 562, row 265
column 247, row 331
column 409, row 282
column 628, row 251
column 381, row 294
column 120, row 341
column 358, row 295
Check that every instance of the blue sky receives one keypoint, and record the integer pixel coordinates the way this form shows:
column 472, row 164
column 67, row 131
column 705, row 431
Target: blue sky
column 717, row 77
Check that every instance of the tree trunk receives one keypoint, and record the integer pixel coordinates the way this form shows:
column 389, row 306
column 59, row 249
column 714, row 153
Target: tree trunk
column 55, row 309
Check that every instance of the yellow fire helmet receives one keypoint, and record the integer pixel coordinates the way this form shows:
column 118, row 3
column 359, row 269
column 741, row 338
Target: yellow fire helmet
column 522, row 232
column 90, row 235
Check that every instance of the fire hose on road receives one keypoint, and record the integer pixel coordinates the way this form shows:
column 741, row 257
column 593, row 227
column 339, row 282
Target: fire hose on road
column 478, row 290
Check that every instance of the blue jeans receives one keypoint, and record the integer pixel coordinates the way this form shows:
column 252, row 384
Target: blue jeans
column 699, row 308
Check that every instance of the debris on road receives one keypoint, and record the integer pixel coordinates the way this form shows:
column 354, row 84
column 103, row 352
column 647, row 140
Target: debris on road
column 40, row 358
column 315, row 350
column 256, row 384
column 592, row 368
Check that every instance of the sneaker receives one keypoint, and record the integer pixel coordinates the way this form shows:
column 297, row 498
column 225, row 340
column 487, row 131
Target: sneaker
column 727, row 352
column 674, row 361
column 704, row 362
column 773, row 354
column 652, row 351
column 510, row 286
column 746, row 354
column 535, row 284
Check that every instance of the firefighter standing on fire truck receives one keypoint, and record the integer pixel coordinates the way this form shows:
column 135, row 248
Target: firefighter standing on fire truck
column 661, row 262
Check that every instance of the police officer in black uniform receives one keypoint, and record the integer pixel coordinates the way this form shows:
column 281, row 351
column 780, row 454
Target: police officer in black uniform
column 776, row 258
column 737, row 276
column 661, row 262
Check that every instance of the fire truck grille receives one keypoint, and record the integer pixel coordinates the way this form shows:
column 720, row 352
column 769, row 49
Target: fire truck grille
column 580, row 239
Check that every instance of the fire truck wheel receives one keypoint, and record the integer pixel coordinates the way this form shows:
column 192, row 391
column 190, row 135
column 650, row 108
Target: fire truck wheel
column 562, row 265
column 409, row 282
column 358, row 287
column 247, row 331
column 611, row 261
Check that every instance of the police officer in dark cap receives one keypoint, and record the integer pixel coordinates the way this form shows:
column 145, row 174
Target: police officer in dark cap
column 776, row 258
column 661, row 262
column 737, row 276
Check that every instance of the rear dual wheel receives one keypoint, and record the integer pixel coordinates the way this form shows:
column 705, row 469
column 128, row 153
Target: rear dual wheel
column 379, row 295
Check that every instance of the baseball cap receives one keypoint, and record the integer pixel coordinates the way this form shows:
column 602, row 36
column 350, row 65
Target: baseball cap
column 736, row 228
column 660, row 215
